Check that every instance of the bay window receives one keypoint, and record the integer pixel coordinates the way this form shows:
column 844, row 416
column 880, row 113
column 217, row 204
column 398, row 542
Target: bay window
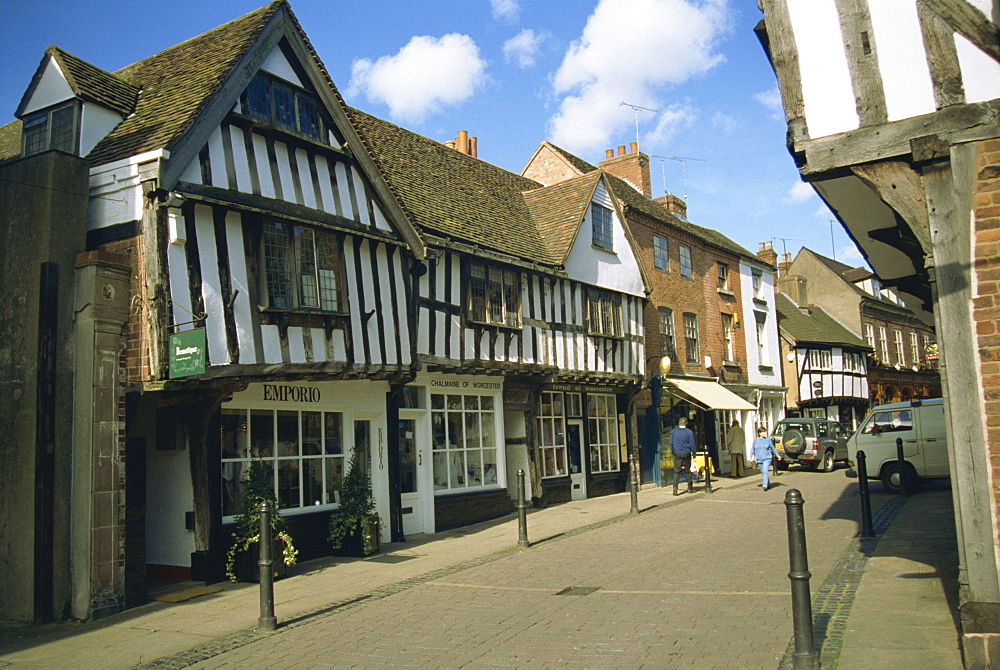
column 494, row 295
column 464, row 441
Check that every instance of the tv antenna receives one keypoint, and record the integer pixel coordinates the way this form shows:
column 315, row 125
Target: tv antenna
column 683, row 161
column 785, row 240
column 637, row 109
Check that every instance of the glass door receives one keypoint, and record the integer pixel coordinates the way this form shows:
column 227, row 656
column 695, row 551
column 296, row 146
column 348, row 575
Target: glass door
column 410, row 471
column 577, row 469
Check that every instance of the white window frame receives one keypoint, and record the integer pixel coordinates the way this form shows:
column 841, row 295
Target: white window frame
column 870, row 335
column 464, row 436
column 552, row 434
column 761, row 321
column 692, row 345
column 914, row 348
column 727, row 337
column 897, row 337
column 723, row 271
column 665, row 327
column 661, row 257
column 602, row 426
column 756, row 281
column 686, row 266
column 883, row 344
column 288, row 463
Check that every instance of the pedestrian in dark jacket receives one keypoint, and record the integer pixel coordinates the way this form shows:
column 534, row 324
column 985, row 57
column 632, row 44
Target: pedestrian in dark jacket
column 763, row 453
column 682, row 447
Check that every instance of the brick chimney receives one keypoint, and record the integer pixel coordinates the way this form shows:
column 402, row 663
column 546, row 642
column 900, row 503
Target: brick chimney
column 675, row 205
column 766, row 252
column 786, row 262
column 795, row 288
column 633, row 167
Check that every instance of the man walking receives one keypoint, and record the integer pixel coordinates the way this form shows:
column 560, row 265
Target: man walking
column 736, row 443
column 682, row 447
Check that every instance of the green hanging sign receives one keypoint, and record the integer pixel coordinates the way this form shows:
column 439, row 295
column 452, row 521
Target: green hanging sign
column 187, row 353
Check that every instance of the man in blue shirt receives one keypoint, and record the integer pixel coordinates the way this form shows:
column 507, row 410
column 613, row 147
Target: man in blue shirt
column 682, row 447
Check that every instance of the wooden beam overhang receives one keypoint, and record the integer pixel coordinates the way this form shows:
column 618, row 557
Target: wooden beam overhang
column 895, row 141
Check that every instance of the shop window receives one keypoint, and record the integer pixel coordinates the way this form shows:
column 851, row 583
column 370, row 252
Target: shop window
column 660, row 258
column 494, row 295
column 464, row 441
column 601, row 219
column 552, row 434
column 302, row 450
column 301, row 268
column 53, row 128
column 602, row 418
column 574, row 404
column 283, row 106
column 605, row 313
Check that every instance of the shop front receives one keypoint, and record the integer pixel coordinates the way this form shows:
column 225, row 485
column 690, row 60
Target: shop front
column 709, row 409
column 452, row 464
column 581, row 441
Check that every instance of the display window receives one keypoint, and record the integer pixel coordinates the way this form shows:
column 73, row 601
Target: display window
column 602, row 420
column 464, row 441
column 302, row 450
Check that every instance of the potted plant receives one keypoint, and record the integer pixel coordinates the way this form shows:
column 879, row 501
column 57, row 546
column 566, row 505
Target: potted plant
column 241, row 561
column 354, row 528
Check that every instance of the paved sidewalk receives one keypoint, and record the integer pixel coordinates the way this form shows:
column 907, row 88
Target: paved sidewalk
column 888, row 602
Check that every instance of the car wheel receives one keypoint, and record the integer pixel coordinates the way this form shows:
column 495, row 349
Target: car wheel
column 793, row 442
column 893, row 482
column 828, row 461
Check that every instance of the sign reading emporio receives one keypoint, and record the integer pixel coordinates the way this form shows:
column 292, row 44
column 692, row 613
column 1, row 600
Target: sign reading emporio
column 187, row 353
column 290, row 393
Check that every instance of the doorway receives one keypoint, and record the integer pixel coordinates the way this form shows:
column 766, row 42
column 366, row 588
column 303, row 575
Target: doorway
column 417, row 506
column 577, row 469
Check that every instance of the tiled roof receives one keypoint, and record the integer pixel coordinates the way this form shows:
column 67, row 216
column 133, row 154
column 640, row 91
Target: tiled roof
column 557, row 210
column 852, row 275
column 583, row 166
column 177, row 83
column 10, row 140
column 451, row 194
column 94, row 84
column 817, row 326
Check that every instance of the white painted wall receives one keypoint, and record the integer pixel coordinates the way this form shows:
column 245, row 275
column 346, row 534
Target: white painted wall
column 95, row 123
column 52, row 88
column 748, row 319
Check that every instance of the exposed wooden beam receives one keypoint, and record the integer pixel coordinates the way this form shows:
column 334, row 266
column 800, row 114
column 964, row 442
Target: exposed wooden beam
column 959, row 123
column 778, row 40
column 862, row 60
column 942, row 57
column 967, row 20
column 902, row 188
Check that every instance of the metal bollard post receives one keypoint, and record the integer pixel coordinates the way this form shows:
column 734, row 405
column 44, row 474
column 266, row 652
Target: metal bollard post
column 708, row 472
column 522, row 512
column 866, row 503
column 804, row 655
column 904, row 483
column 266, row 620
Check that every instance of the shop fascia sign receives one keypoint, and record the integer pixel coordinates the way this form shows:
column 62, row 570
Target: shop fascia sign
column 575, row 388
column 187, row 353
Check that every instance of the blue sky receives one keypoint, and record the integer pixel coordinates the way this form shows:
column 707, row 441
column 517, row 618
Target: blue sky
column 514, row 73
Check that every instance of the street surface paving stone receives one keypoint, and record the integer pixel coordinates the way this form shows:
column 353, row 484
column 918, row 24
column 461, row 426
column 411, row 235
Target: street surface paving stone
column 696, row 581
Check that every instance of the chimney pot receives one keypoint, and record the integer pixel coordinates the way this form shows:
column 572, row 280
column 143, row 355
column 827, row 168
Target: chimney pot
column 473, row 150
column 633, row 147
column 609, row 154
column 621, row 149
column 462, row 142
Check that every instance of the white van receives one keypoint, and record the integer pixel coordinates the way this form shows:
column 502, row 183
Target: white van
column 920, row 424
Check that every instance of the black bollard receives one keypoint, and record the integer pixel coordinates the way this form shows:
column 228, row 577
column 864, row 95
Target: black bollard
column 804, row 655
column 266, row 620
column 866, row 503
column 522, row 512
column 904, row 483
column 708, row 472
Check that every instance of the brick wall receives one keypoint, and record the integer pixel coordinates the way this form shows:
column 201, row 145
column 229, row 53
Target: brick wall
column 138, row 321
column 986, row 301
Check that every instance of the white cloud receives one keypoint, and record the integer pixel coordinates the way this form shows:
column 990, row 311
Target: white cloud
column 672, row 120
column 424, row 76
column 771, row 100
column 724, row 122
column 799, row 192
column 629, row 50
column 850, row 253
column 505, row 9
column 522, row 47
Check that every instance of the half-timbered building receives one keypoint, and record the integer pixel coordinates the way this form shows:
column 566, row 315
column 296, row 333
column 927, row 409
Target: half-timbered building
column 824, row 363
column 529, row 322
column 892, row 109
column 266, row 271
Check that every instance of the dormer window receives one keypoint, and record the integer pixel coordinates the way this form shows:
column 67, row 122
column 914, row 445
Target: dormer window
column 601, row 219
column 53, row 128
column 283, row 106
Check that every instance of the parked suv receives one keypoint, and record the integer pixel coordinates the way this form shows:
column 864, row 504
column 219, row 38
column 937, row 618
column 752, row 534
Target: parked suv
column 817, row 442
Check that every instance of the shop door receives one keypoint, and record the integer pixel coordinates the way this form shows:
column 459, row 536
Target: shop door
column 411, row 466
column 577, row 470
